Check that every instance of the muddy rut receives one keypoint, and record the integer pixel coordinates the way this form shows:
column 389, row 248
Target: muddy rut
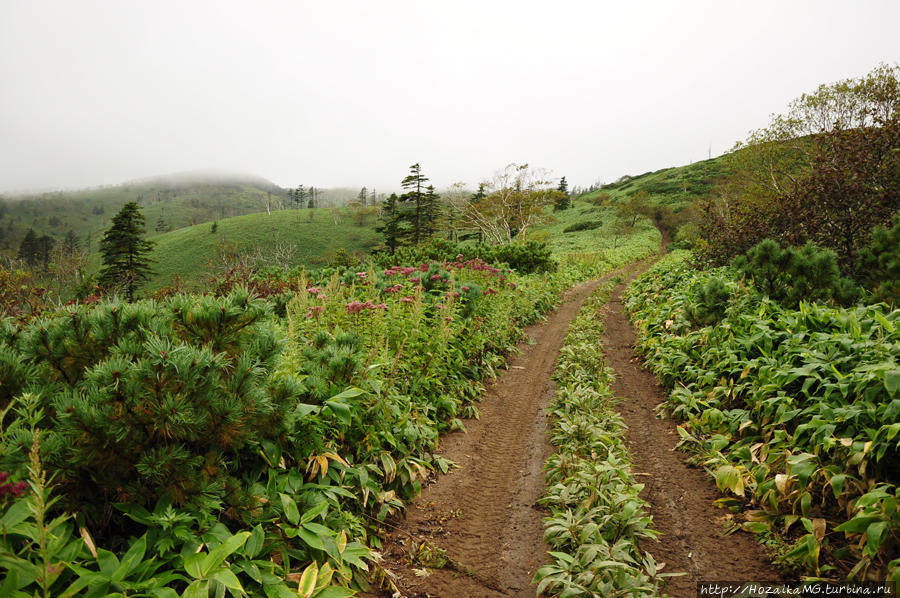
column 483, row 514
column 680, row 496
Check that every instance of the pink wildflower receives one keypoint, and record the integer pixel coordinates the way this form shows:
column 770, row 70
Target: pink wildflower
column 314, row 290
column 406, row 299
column 435, row 277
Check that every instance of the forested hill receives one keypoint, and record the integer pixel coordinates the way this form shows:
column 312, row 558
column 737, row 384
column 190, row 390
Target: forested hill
column 168, row 203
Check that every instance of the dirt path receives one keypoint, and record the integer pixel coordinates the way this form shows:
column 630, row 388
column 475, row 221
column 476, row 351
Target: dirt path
column 483, row 514
column 680, row 496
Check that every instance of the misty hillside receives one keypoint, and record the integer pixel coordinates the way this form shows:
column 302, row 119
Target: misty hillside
column 169, row 202
column 285, row 239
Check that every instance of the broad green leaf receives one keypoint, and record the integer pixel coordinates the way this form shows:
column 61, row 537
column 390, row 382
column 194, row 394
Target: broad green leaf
column 16, row 514
column 354, row 553
column 193, row 564
column 254, row 542
column 311, row 539
column 319, row 529
column 857, row 525
column 218, row 554
column 310, row 514
column 334, row 592
column 347, row 394
column 892, row 381
column 875, row 535
column 107, row 561
column 131, row 559
column 228, row 579
column 290, row 509
column 199, row 588
column 341, row 411
column 164, row 593
column 837, row 484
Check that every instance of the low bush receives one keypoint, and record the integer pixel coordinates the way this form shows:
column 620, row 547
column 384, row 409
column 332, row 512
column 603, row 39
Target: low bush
column 790, row 275
column 583, row 225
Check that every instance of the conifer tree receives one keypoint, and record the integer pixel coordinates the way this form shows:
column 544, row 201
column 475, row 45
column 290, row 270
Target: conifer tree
column 562, row 201
column 392, row 223
column 425, row 209
column 126, row 261
column 430, row 213
column 28, row 249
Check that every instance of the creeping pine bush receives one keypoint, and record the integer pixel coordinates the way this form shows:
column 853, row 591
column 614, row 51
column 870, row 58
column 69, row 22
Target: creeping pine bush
column 709, row 302
column 790, row 275
column 878, row 268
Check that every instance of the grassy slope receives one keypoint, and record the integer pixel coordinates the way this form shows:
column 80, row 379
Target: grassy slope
column 88, row 212
column 674, row 186
column 597, row 239
column 191, row 252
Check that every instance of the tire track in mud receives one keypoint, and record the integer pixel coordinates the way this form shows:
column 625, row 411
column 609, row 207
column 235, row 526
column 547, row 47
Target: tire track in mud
column 680, row 496
column 483, row 513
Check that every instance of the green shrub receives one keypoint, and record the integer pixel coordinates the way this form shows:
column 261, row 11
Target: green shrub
column 878, row 268
column 709, row 301
column 583, row 225
column 791, row 275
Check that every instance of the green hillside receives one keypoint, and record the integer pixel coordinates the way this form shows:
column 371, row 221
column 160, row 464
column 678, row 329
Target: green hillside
column 669, row 186
column 283, row 238
column 168, row 203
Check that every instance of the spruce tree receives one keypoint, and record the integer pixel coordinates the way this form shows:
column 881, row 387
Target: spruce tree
column 28, row 250
column 422, row 217
column 430, row 213
column 392, row 223
column 126, row 261
column 562, row 201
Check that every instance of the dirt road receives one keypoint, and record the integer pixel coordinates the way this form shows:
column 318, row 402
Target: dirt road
column 482, row 516
column 680, row 496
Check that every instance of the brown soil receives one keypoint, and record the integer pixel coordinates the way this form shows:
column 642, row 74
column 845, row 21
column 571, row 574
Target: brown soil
column 680, row 496
column 483, row 514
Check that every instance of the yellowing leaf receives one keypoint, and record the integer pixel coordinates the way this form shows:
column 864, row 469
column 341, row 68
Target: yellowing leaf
column 308, row 580
column 819, row 526
column 88, row 541
column 781, row 482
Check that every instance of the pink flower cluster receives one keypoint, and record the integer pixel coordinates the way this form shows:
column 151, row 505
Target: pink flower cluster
column 477, row 264
column 406, row 299
column 394, row 289
column 354, row 307
column 394, row 270
column 490, row 292
column 17, row 489
column 314, row 311
column 317, row 291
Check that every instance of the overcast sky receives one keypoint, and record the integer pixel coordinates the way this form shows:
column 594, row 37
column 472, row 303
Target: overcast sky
column 341, row 93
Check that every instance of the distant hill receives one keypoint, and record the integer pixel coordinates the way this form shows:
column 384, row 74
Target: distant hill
column 169, row 202
column 285, row 238
column 672, row 186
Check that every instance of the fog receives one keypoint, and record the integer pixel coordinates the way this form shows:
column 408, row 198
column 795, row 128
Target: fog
column 345, row 93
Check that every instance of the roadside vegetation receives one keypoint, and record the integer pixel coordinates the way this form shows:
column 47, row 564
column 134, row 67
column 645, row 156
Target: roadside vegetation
column 252, row 440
